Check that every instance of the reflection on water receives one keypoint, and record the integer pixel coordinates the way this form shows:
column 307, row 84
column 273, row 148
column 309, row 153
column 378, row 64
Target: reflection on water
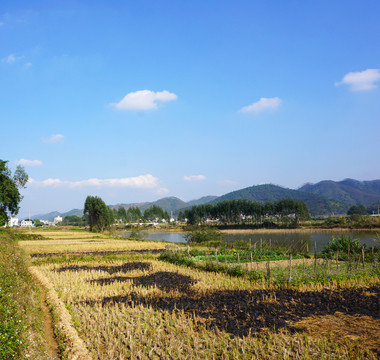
column 299, row 241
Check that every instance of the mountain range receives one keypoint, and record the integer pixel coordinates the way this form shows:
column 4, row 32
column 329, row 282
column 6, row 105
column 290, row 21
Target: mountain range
column 323, row 198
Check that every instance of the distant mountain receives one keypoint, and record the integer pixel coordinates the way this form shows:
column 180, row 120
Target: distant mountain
column 349, row 192
column 316, row 204
column 168, row 203
column 50, row 216
column 202, row 200
column 324, row 198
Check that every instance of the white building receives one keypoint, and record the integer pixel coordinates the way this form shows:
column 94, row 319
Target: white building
column 25, row 223
column 13, row 222
column 57, row 219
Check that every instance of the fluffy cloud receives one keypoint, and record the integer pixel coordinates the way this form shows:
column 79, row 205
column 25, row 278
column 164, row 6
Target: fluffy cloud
column 25, row 162
column 55, row 138
column 10, row 59
column 262, row 104
column 147, row 181
column 194, row 178
column 144, row 100
column 361, row 80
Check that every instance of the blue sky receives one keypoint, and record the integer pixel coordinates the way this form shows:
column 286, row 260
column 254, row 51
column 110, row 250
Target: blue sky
column 136, row 100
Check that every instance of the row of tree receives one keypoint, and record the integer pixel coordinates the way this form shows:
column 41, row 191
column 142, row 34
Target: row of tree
column 100, row 217
column 246, row 211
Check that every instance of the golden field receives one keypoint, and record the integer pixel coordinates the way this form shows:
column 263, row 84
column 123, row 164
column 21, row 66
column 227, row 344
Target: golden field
column 137, row 307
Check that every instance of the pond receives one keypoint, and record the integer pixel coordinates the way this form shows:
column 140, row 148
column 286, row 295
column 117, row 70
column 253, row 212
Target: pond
column 299, row 240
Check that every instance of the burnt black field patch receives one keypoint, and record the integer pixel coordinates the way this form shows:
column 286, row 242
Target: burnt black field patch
column 163, row 280
column 240, row 312
column 99, row 253
column 124, row 268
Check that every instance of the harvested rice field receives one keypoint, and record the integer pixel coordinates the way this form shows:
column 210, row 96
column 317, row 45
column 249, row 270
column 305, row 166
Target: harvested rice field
column 124, row 303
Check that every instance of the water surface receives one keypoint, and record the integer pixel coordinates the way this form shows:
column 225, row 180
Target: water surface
column 301, row 240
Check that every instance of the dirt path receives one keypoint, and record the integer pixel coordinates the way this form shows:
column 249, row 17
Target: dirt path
column 51, row 342
column 262, row 265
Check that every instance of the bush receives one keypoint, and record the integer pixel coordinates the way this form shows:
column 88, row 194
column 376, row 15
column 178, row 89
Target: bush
column 196, row 235
column 344, row 244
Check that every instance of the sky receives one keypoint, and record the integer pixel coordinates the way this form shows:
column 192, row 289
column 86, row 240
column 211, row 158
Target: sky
column 133, row 101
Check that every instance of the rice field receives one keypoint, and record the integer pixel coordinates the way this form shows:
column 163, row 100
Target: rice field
column 133, row 306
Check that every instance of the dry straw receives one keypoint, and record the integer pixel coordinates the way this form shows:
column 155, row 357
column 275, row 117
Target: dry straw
column 76, row 349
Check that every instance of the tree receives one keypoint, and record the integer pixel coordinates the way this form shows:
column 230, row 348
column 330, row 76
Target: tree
column 154, row 213
column 122, row 213
column 100, row 216
column 133, row 214
column 357, row 210
column 180, row 217
column 9, row 190
column 38, row 223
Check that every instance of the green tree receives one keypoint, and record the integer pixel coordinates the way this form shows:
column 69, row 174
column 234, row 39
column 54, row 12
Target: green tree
column 9, row 190
column 180, row 217
column 133, row 214
column 100, row 216
column 154, row 213
column 122, row 213
column 74, row 220
column 37, row 223
column 357, row 210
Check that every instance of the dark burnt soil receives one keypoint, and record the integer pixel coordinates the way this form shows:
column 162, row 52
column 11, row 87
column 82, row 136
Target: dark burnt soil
column 163, row 280
column 124, row 268
column 101, row 253
column 241, row 312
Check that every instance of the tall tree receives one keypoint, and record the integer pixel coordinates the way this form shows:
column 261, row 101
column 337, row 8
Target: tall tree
column 100, row 216
column 9, row 190
column 122, row 214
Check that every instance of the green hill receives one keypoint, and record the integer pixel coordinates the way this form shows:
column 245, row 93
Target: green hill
column 169, row 204
column 349, row 192
column 316, row 204
column 202, row 200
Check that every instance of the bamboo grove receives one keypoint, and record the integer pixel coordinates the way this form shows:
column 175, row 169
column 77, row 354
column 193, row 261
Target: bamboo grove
column 285, row 212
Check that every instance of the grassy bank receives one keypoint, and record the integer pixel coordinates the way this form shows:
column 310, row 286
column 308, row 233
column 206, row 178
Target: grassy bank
column 21, row 319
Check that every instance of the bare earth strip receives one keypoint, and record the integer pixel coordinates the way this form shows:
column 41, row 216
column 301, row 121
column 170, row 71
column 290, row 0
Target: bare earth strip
column 76, row 349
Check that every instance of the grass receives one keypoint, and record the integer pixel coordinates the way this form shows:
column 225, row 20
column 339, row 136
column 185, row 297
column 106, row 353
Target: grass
column 21, row 319
column 322, row 272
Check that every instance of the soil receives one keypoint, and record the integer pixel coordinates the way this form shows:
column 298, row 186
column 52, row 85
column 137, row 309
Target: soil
column 163, row 280
column 262, row 265
column 51, row 342
column 124, row 268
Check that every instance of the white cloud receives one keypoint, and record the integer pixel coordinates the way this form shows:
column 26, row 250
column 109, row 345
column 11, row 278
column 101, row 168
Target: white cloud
column 228, row 182
column 144, row 100
column 194, row 178
column 25, row 162
column 147, row 181
column 162, row 191
column 262, row 104
column 361, row 80
column 10, row 59
column 55, row 138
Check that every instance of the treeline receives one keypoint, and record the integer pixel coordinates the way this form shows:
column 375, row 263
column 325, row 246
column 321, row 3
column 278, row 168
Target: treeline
column 99, row 217
column 284, row 211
